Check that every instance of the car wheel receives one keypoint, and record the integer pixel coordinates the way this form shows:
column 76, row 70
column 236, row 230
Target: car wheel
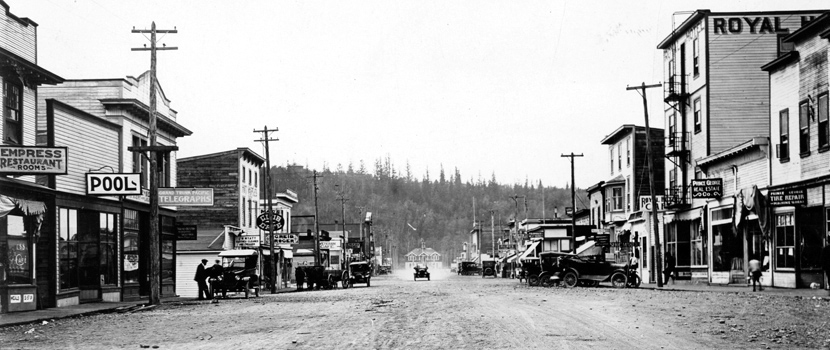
column 619, row 280
column 488, row 271
column 545, row 281
column 533, row 280
column 247, row 290
column 634, row 282
column 368, row 282
column 570, row 279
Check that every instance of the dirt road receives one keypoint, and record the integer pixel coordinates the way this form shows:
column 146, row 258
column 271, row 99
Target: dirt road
column 452, row 312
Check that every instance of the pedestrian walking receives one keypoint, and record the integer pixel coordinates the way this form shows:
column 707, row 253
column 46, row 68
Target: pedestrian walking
column 825, row 259
column 755, row 273
column 300, row 275
column 668, row 268
column 201, row 276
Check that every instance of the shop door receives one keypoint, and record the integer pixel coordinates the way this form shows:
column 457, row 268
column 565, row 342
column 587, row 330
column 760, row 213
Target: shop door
column 88, row 257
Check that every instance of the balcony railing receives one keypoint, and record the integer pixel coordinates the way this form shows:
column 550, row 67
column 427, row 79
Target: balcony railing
column 677, row 143
column 676, row 197
column 675, row 89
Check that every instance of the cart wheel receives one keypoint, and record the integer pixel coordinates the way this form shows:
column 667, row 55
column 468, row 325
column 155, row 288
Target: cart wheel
column 570, row 279
column 619, row 280
column 634, row 282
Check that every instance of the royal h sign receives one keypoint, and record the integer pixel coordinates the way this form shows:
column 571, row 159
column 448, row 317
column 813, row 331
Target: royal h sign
column 109, row 184
column 31, row 160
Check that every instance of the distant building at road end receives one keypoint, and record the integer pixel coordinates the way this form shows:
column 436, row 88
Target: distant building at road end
column 423, row 256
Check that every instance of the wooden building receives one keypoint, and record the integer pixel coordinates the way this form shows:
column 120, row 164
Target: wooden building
column 98, row 119
column 234, row 176
column 27, row 205
column 716, row 98
column 423, row 256
column 800, row 133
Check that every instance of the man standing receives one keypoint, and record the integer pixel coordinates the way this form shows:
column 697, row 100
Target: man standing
column 825, row 259
column 201, row 276
column 668, row 267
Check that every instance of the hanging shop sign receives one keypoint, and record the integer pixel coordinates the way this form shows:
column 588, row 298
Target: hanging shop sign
column 33, row 160
column 246, row 241
column 707, row 188
column 186, row 232
column 645, row 203
column 790, row 197
column 192, row 197
column 109, row 184
column 264, row 221
column 602, row 240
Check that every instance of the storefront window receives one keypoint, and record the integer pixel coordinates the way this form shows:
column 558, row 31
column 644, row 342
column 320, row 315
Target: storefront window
column 698, row 244
column 784, row 241
column 68, row 247
column 15, row 256
column 130, row 246
column 168, row 244
column 109, row 263
column 810, row 227
column 88, row 260
column 671, row 239
column 727, row 244
column 683, row 247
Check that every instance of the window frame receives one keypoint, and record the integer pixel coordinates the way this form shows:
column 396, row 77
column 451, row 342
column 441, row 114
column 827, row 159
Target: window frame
column 698, row 115
column 617, row 198
column 804, row 128
column 619, row 156
column 784, row 135
column 696, row 57
column 823, row 122
column 68, row 222
column 11, row 125
column 788, row 232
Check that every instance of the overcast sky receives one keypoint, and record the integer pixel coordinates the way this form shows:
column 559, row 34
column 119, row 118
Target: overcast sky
column 500, row 87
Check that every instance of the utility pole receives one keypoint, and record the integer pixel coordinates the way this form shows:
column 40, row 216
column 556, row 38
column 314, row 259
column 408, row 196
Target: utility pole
column 515, row 240
column 266, row 138
column 154, row 150
column 493, row 233
column 659, row 261
column 343, row 201
column 316, row 223
column 573, row 193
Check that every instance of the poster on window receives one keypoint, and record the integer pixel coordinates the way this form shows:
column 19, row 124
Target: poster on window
column 130, row 262
column 18, row 254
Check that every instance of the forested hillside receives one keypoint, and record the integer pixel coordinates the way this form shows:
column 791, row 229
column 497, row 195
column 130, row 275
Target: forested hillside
column 438, row 204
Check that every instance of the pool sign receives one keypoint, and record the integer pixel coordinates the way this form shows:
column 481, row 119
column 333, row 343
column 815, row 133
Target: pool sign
column 707, row 188
column 33, row 160
column 109, row 184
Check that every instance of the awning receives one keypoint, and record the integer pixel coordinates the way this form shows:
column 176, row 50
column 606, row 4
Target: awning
column 238, row 252
column 687, row 215
column 28, row 207
column 589, row 249
column 530, row 249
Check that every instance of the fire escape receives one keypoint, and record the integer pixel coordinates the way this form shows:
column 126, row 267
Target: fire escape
column 678, row 150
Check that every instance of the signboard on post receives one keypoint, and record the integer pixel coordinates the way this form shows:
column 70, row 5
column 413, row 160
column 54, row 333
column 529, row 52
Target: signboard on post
column 113, row 184
column 707, row 188
column 330, row 245
column 790, row 197
column 191, row 197
column 33, row 160
column 602, row 240
column 186, row 232
column 282, row 239
column 247, row 241
column 263, row 222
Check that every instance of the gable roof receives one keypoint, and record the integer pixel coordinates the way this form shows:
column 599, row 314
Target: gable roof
column 419, row 251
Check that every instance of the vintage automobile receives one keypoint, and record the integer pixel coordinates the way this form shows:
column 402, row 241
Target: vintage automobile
column 531, row 268
column 361, row 272
column 239, row 273
column 421, row 271
column 488, row 268
column 591, row 270
column 550, row 270
column 468, row 268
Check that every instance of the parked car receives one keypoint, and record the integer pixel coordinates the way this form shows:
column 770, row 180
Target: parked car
column 239, row 273
column 360, row 272
column 550, row 269
column 531, row 268
column 468, row 268
column 593, row 270
column 421, row 271
column 488, row 268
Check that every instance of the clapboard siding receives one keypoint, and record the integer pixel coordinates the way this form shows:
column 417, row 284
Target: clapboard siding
column 738, row 88
column 812, row 83
column 18, row 36
column 91, row 145
column 186, row 264
column 784, row 95
column 220, row 172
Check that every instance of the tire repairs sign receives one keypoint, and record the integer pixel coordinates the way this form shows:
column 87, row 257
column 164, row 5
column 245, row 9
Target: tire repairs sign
column 170, row 196
column 32, row 160
column 707, row 188
column 784, row 198
column 109, row 184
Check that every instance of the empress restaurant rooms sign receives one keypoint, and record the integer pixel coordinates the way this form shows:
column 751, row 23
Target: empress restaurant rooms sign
column 31, row 160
